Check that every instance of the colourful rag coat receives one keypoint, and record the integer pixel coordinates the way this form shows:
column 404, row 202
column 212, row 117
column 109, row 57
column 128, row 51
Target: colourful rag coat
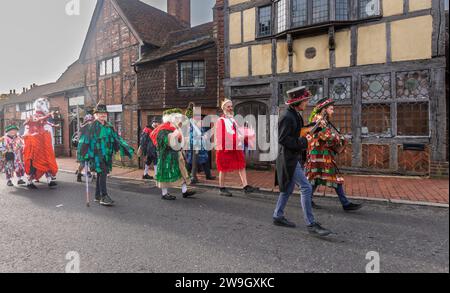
column 321, row 168
column 98, row 143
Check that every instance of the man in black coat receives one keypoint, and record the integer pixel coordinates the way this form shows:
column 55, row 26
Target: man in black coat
column 290, row 171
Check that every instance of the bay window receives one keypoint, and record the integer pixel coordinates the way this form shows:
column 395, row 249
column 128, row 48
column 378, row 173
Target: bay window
column 291, row 14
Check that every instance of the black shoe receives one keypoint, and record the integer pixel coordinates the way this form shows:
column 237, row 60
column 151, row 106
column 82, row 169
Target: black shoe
column 318, row 230
column 147, row 177
column 194, row 181
column 79, row 178
column 315, row 206
column 188, row 194
column 10, row 184
column 97, row 198
column 31, row 186
column 283, row 222
column 106, row 201
column 21, row 182
column 250, row 189
column 52, row 184
column 169, row 197
column 352, row 207
column 211, row 178
column 225, row 192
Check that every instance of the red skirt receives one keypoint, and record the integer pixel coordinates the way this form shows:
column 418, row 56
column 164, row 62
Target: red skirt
column 38, row 153
column 229, row 161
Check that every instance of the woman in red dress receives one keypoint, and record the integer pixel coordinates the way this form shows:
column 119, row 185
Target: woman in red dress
column 230, row 149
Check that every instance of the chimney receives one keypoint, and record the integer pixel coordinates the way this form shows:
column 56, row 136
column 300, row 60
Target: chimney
column 23, row 90
column 181, row 9
column 14, row 92
column 10, row 92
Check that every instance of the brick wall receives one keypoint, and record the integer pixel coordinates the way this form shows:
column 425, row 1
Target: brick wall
column 438, row 169
column 158, row 83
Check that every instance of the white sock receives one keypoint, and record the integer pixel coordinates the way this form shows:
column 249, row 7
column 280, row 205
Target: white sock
column 156, row 169
column 146, row 170
column 49, row 179
column 184, row 188
column 164, row 191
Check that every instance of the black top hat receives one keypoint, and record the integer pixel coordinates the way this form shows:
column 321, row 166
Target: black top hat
column 100, row 109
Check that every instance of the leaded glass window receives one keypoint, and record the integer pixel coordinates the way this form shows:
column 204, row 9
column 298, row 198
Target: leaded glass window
column 413, row 85
column 316, row 88
column 191, row 74
column 299, row 12
column 340, row 89
column 320, row 11
column 281, row 15
column 369, row 8
column 342, row 9
column 283, row 88
column 376, row 119
column 413, row 119
column 376, row 87
column 265, row 21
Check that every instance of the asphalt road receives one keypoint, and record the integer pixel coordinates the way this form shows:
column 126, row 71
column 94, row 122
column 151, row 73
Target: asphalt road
column 208, row 233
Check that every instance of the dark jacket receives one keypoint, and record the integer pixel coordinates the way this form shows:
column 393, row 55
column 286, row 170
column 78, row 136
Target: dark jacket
column 147, row 146
column 291, row 147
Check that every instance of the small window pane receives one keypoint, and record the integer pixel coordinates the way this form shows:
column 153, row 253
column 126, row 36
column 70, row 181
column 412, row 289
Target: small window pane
column 376, row 118
column 283, row 88
column 413, row 85
column 316, row 89
column 109, row 65
column 376, row 87
column 281, row 15
column 342, row 9
column 369, row 8
column 299, row 12
column 116, row 64
column 265, row 23
column 413, row 119
column 320, row 11
column 340, row 89
column 102, row 68
column 342, row 118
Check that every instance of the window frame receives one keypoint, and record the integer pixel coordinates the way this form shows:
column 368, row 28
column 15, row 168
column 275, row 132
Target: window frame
column 102, row 66
column 179, row 73
column 352, row 16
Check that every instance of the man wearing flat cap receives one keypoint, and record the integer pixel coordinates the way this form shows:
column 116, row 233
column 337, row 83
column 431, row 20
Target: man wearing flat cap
column 290, row 171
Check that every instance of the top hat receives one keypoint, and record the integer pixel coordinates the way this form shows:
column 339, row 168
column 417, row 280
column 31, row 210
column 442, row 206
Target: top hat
column 100, row 109
column 297, row 95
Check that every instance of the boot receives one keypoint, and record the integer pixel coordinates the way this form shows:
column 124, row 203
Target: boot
column 225, row 192
column 318, row 230
column 10, row 184
column 188, row 194
column 79, row 176
column 106, row 201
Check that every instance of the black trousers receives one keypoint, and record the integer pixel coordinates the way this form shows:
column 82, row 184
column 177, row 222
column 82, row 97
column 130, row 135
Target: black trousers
column 100, row 188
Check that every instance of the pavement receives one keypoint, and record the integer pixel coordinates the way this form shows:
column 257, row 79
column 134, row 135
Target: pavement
column 395, row 189
column 42, row 230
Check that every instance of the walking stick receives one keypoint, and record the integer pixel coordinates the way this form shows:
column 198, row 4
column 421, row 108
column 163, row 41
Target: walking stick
column 88, row 201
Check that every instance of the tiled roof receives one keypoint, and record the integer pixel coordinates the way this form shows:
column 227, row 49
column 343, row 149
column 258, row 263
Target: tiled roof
column 72, row 78
column 151, row 24
column 181, row 41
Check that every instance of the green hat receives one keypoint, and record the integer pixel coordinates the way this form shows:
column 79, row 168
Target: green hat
column 100, row 109
column 173, row 111
column 12, row 127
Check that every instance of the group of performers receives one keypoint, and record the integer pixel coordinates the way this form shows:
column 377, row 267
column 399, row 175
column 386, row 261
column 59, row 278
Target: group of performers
column 162, row 144
column 32, row 153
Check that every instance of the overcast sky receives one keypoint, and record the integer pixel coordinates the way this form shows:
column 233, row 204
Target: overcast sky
column 38, row 40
